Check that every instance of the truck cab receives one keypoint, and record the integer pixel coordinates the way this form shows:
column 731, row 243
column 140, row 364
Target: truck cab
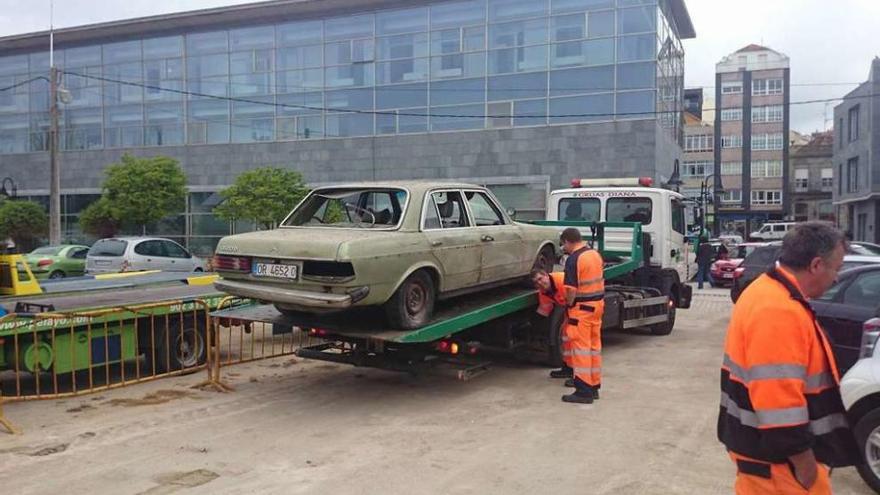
column 661, row 213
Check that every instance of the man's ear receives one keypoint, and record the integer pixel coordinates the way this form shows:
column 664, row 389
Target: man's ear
column 814, row 264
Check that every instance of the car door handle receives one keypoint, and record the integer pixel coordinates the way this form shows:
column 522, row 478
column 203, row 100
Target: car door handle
column 487, row 238
column 436, row 243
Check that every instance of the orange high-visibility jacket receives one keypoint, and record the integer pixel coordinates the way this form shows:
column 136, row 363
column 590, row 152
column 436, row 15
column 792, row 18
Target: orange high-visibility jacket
column 556, row 294
column 584, row 274
column 779, row 382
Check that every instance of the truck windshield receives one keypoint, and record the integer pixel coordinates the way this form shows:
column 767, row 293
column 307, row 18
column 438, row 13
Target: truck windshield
column 579, row 209
column 350, row 208
column 629, row 210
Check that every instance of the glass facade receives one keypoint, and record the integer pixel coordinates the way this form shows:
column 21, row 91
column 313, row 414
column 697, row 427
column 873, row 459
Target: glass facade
column 470, row 64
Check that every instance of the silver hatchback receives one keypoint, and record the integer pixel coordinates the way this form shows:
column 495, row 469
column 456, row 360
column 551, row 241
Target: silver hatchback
column 129, row 254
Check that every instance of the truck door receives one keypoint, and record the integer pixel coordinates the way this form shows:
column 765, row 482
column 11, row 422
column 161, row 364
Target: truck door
column 676, row 245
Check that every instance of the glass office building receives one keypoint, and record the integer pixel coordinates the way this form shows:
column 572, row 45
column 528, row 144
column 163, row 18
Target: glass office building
column 163, row 86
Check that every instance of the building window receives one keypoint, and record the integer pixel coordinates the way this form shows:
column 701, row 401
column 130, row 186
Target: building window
column 731, row 168
column 731, row 87
column 853, row 116
column 767, row 197
column 700, row 168
column 766, row 169
column 840, row 133
column 801, row 180
column 729, row 114
column 852, row 175
column 732, row 141
column 827, row 179
column 731, row 196
column 700, row 142
column 762, row 87
column 770, row 113
column 762, row 142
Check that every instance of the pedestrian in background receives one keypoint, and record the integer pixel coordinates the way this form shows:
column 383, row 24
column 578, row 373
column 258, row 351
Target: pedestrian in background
column 705, row 256
column 781, row 416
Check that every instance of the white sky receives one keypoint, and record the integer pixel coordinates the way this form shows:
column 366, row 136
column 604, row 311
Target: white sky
column 828, row 41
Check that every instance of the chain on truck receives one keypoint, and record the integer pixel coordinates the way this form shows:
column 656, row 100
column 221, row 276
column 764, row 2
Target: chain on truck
column 638, row 229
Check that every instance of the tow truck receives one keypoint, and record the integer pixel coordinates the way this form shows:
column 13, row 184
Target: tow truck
column 638, row 229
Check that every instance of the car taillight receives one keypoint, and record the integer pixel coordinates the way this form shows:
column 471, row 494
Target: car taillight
column 232, row 263
column 44, row 262
column 739, row 272
column 870, row 334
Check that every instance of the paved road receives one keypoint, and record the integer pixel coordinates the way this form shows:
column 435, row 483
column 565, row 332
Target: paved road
column 304, row 427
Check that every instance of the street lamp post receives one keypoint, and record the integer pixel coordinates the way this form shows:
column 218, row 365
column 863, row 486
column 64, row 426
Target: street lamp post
column 717, row 190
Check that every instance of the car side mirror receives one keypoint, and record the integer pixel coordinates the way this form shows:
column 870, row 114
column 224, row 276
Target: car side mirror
column 511, row 212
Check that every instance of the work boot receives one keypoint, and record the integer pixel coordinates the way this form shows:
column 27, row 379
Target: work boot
column 569, row 383
column 578, row 398
column 564, row 372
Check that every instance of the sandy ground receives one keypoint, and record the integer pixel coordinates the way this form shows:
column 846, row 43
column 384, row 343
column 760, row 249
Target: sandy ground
column 294, row 426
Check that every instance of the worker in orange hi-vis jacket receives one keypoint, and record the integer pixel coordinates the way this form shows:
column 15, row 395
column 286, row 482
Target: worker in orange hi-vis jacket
column 551, row 295
column 781, row 418
column 585, row 297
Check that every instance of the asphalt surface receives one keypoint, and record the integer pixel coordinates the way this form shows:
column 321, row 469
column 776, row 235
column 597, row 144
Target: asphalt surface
column 293, row 426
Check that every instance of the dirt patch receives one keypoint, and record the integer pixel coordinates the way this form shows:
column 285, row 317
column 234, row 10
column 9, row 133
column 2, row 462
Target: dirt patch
column 52, row 449
column 153, row 398
column 173, row 482
column 290, row 362
column 80, row 408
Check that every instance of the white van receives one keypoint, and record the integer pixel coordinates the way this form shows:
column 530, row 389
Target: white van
column 773, row 231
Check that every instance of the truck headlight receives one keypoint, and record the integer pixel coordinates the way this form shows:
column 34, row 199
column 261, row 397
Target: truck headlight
column 870, row 335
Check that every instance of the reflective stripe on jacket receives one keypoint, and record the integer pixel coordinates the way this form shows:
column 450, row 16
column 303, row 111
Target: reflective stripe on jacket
column 779, row 382
column 584, row 274
column 556, row 294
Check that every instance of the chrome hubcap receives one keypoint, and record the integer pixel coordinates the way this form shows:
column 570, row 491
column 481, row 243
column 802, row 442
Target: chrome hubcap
column 872, row 451
column 416, row 298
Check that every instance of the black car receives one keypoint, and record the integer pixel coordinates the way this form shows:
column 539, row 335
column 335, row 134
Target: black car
column 759, row 261
column 844, row 308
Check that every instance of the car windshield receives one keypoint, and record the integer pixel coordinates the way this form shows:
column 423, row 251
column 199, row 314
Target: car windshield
column 108, row 247
column 864, row 249
column 48, row 250
column 350, row 208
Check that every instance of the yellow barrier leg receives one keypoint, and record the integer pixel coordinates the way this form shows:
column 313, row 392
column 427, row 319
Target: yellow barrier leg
column 5, row 422
column 213, row 364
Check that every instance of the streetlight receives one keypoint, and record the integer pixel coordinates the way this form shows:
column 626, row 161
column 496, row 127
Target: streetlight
column 674, row 181
column 717, row 190
column 10, row 193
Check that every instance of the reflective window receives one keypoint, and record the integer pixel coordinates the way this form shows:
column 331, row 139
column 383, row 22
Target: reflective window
column 412, row 120
column 600, row 24
column 636, row 20
column 401, row 71
column 199, row 43
column 629, row 210
column 581, row 108
column 568, row 27
column 349, row 124
column 500, row 10
column 579, row 209
column 483, row 210
column 580, row 81
column 522, row 59
column 171, row 46
column 401, row 96
column 641, row 47
column 530, row 112
column 402, row 46
column 458, row 14
column 457, row 117
column 574, row 53
column 458, row 91
column 518, row 33
column 351, row 27
column 349, row 99
column 629, row 105
column 636, row 76
column 299, row 33
column 560, row 6
column 402, row 21
column 252, row 37
column 300, row 57
column 518, row 86
column 459, row 65
column 127, row 51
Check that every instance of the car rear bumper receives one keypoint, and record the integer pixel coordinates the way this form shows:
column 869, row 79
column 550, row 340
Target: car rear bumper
column 293, row 297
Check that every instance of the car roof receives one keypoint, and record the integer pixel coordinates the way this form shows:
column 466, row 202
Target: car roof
column 859, row 269
column 133, row 238
column 867, row 258
column 415, row 186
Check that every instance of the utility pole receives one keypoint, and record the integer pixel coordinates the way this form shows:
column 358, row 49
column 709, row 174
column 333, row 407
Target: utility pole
column 54, row 166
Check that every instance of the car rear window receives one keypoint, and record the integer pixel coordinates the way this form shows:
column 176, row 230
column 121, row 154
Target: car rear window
column 108, row 247
column 762, row 256
column 48, row 250
column 629, row 210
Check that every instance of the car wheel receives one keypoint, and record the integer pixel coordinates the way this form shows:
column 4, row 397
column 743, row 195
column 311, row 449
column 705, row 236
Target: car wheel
column 57, row 274
column 412, row 305
column 867, row 433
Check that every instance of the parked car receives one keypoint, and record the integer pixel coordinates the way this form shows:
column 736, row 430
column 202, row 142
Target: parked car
column 401, row 245
column 857, row 260
column 844, row 308
column 860, row 389
column 734, row 239
column 723, row 271
column 864, row 248
column 773, row 231
column 127, row 254
column 759, row 261
column 54, row 262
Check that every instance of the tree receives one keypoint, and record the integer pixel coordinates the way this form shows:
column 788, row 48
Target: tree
column 24, row 222
column 265, row 195
column 145, row 190
column 100, row 219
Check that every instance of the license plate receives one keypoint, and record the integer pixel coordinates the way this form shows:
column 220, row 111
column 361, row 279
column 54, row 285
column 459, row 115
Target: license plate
column 102, row 262
column 727, row 275
column 275, row 270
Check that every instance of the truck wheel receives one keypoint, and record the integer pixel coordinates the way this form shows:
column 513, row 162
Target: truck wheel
column 867, row 432
column 667, row 282
column 184, row 348
column 666, row 327
column 412, row 305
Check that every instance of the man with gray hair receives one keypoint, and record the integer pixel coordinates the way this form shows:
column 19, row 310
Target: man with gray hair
column 781, row 416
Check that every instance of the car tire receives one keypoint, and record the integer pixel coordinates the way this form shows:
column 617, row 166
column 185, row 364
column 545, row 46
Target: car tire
column 198, row 270
column 557, row 322
column 186, row 346
column 56, row 275
column 412, row 304
column 868, row 425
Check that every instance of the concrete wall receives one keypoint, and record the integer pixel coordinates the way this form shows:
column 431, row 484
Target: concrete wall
column 612, row 149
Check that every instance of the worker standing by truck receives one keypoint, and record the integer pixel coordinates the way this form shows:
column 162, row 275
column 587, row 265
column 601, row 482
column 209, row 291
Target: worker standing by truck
column 585, row 297
column 781, row 418
column 551, row 298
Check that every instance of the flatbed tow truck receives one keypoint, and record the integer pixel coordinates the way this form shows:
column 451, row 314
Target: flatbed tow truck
column 493, row 321
column 82, row 323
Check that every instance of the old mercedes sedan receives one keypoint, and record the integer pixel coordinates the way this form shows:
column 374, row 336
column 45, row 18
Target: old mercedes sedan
column 402, row 245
